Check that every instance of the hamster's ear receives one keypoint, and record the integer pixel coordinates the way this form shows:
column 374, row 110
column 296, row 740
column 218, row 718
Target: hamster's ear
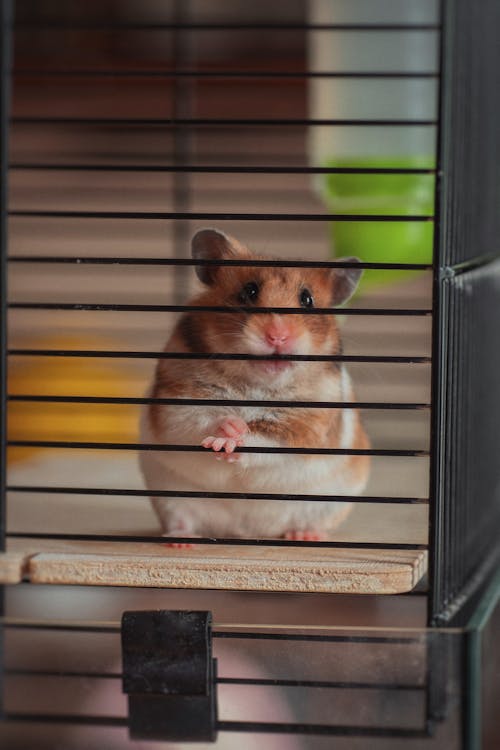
column 211, row 244
column 345, row 281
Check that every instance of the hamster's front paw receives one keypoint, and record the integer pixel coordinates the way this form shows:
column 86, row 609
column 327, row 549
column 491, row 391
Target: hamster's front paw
column 228, row 437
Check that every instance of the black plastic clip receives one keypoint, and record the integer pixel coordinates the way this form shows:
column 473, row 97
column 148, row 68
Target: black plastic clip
column 169, row 675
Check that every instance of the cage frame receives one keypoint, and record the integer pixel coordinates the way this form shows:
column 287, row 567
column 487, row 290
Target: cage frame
column 447, row 605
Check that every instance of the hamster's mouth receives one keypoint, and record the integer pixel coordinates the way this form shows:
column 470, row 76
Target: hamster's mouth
column 274, row 366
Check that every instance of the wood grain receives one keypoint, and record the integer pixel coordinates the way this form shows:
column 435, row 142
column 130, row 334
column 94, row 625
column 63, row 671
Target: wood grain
column 12, row 566
column 225, row 567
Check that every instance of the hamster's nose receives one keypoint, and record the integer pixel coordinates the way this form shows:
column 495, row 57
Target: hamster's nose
column 277, row 334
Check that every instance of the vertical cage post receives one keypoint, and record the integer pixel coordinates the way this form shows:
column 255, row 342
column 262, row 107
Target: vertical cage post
column 465, row 475
column 182, row 143
column 435, row 506
column 6, row 11
column 5, row 38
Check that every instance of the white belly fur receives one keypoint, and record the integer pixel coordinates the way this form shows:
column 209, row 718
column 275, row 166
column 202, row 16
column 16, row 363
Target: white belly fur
column 253, row 473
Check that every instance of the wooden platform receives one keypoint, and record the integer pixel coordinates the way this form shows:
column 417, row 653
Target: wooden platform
column 214, row 567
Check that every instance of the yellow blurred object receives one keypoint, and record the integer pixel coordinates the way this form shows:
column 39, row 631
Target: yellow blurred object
column 72, row 376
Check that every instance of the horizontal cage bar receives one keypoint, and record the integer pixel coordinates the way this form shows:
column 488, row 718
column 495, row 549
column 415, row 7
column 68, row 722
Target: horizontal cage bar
column 176, row 122
column 98, row 353
column 209, row 495
column 327, row 730
column 78, row 719
column 403, row 405
column 102, row 306
column 228, row 726
column 278, row 682
column 253, row 263
column 65, row 73
column 220, row 630
column 214, row 26
column 74, row 445
column 17, row 624
column 211, row 216
column 62, row 673
column 229, row 541
column 327, row 684
column 220, row 169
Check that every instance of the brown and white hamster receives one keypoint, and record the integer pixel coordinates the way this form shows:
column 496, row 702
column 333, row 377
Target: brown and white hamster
column 221, row 430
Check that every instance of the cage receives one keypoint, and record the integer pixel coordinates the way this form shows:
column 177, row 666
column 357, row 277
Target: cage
column 311, row 132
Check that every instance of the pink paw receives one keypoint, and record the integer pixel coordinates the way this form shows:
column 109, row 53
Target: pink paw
column 305, row 535
column 180, row 545
column 228, row 437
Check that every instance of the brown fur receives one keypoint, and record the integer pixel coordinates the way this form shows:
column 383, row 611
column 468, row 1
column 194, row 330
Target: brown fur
column 220, row 332
column 244, row 332
column 301, row 428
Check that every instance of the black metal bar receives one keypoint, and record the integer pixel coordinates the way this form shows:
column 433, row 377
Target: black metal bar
column 98, row 353
column 5, row 63
column 101, row 306
column 211, row 216
column 437, row 413
column 112, row 629
column 324, row 730
column 237, row 681
column 213, row 540
column 254, row 263
column 225, row 726
column 61, row 627
column 120, row 400
column 182, row 108
column 28, row 672
column 219, row 169
column 74, row 719
column 239, row 74
column 206, row 122
column 224, row 495
column 6, row 21
column 325, row 684
column 214, row 26
column 457, row 473
column 94, row 445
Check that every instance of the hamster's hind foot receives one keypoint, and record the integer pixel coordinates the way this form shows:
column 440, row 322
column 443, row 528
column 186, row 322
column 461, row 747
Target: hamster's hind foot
column 180, row 545
column 305, row 535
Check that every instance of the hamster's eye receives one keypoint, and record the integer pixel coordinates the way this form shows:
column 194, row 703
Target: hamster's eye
column 306, row 298
column 249, row 293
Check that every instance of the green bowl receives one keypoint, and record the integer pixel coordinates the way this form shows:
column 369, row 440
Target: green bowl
column 393, row 194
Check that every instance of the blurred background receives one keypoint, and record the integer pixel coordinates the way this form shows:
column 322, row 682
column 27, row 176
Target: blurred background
column 212, row 111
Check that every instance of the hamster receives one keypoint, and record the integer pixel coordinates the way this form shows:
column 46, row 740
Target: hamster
column 222, row 430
